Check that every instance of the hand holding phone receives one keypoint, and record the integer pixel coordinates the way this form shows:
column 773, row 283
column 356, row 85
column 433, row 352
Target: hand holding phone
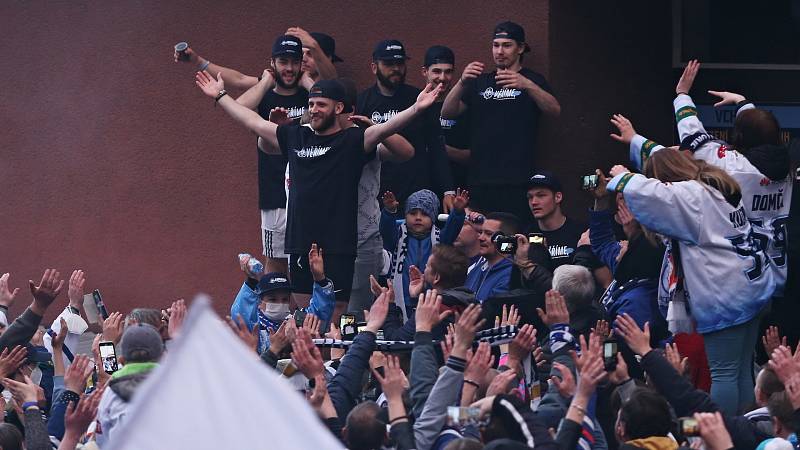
column 109, row 357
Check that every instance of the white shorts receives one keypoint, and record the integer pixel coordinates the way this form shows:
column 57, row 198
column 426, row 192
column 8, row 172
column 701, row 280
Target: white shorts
column 273, row 232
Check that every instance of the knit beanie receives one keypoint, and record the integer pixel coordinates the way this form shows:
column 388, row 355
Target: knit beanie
column 424, row 200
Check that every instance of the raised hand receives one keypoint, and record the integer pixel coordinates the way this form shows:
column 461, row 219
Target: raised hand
column 316, row 263
column 428, row 96
column 208, row 84
column 625, row 217
column 783, row 363
column 361, row 121
column 378, row 311
column 306, row 356
column 113, row 327
column 311, row 325
column 793, row 390
column 11, row 360
column 480, row 363
column 502, row 383
column 102, row 376
column 772, row 339
column 584, row 239
column 177, row 313
column 466, row 326
column 279, row 116
column 472, row 71
column 508, row 316
column 249, row 337
column 191, row 56
column 23, row 392
column 620, row 373
column 415, row 283
column 726, row 98
column 305, row 37
column 448, row 200
column 601, row 190
column 602, row 330
column 512, row 79
column 556, row 307
column 625, row 127
column 278, row 340
column 589, row 350
column 461, row 200
column 6, row 295
column 447, row 343
column 523, row 344
column 58, row 339
column 565, row 383
column 687, row 78
column 390, row 203
column 77, row 373
column 713, row 431
column 78, row 417
column 76, row 288
column 592, row 373
column 393, row 379
column 638, row 340
column 48, row 289
column 617, row 170
column 674, row 358
column 428, row 313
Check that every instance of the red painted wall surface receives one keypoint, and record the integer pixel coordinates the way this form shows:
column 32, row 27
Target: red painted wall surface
column 112, row 161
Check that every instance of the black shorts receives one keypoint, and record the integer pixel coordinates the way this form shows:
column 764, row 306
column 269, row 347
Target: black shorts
column 339, row 268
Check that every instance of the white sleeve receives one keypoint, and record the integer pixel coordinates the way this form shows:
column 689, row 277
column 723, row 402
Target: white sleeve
column 686, row 117
column 640, row 149
column 673, row 209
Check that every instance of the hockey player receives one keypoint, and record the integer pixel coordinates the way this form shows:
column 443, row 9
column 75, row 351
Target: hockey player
column 724, row 273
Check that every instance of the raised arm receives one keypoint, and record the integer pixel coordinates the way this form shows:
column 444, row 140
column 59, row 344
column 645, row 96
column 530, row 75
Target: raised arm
column 640, row 147
column 394, row 148
column 325, row 67
column 235, row 78
column 685, row 110
column 249, row 118
column 453, row 105
column 375, row 134
column 252, row 97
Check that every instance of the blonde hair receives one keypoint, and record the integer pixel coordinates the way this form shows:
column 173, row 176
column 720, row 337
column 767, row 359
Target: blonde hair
column 670, row 165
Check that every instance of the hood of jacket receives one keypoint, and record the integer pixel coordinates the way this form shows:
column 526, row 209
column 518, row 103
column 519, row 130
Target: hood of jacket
column 771, row 160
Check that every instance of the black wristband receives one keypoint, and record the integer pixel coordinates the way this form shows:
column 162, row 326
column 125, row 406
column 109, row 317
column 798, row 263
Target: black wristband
column 221, row 94
column 69, row 396
column 472, row 383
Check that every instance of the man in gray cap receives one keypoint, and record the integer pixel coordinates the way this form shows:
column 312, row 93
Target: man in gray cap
column 140, row 349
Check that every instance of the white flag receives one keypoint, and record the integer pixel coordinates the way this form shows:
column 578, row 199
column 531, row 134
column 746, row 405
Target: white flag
column 211, row 392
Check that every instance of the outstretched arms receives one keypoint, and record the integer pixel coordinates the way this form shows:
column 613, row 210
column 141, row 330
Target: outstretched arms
column 375, row 134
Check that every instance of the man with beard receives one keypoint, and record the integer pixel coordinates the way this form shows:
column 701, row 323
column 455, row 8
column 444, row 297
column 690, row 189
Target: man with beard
column 381, row 103
column 325, row 163
column 504, row 108
column 438, row 69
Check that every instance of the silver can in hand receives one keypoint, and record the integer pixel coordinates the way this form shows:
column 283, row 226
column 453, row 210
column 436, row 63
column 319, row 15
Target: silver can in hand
column 180, row 50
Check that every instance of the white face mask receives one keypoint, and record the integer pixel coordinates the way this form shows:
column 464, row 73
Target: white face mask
column 276, row 312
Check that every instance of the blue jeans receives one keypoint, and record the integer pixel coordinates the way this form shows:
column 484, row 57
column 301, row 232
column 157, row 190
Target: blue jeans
column 730, row 358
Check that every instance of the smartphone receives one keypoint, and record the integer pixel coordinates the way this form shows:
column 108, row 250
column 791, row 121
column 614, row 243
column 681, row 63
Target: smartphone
column 462, row 415
column 109, row 357
column 536, row 238
column 299, row 318
column 98, row 301
column 689, row 426
column 588, row 182
column 346, row 319
column 610, row 355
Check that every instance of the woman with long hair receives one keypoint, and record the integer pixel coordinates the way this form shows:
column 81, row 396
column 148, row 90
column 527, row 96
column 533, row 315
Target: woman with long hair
column 722, row 270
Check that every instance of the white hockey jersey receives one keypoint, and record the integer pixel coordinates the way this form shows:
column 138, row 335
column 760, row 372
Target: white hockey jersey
column 766, row 202
column 727, row 277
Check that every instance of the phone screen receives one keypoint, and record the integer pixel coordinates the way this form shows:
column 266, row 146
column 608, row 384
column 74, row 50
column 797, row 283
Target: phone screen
column 346, row 319
column 609, row 349
column 109, row 357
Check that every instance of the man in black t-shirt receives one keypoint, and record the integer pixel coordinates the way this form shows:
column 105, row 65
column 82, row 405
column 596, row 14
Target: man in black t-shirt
column 438, row 69
column 325, row 163
column 428, row 168
column 504, row 108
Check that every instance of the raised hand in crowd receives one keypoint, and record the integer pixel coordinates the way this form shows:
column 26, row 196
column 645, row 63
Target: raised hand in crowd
column 472, row 71
column 687, row 78
column 77, row 281
column 584, row 239
column 306, row 356
column 602, row 329
column 428, row 313
column 244, row 265
column 210, row 86
column 783, row 363
column 311, row 324
column 447, row 343
column 478, row 365
column 637, row 339
column 521, row 347
column 589, row 350
column 415, row 282
column 278, row 340
column 249, row 337
column 565, row 383
column 461, row 199
column 592, row 373
column 176, row 314
column 46, row 291
column 620, row 374
column 78, row 372
column 618, row 169
column 393, row 384
column 467, row 324
column 7, row 296
column 377, row 313
column 316, row 263
column 502, row 383
column 78, row 417
column 280, row 116
column 713, row 431
column 102, row 376
column 113, row 327
column 513, row 79
column 792, row 385
column 23, row 392
column 681, row 365
column 390, row 202
column 11, row 360
column 625, row 127
column 428, row 96
column 772, row 339
column 556, row 309
column 508, row 316
column 186, row 56
column 625, row 217
column 727, row 98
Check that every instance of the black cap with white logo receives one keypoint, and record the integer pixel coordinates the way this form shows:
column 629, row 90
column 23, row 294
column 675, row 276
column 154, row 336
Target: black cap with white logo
column 287, row 46
column 546, row 179
column 439, row 54
column 331, row 89
column 511, row 30
column 389, row 50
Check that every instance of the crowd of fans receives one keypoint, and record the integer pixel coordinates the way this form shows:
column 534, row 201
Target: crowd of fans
column 423, row 288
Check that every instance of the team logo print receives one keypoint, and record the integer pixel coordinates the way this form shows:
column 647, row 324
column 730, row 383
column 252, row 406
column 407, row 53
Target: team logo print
column 721, row 151
column 312, row 152
column 764, row 181
column 501, row 94
column 377, row 117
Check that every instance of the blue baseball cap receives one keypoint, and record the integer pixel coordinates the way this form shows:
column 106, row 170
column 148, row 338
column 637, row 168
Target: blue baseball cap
column 273, row 281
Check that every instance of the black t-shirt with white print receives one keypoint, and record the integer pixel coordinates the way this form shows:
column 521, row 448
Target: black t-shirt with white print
column 562, row 242
column 323, row 200
column 272, row 168
column 504, row 124
column 456, row 134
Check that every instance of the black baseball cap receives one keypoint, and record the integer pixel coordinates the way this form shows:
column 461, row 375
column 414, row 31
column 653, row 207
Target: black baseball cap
column 546, row 179
column 287, row 45
column 327, row 44
column 389, row 50
column 331, row 89
column 511, row 30
column 273, row 281
column 439, row 54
